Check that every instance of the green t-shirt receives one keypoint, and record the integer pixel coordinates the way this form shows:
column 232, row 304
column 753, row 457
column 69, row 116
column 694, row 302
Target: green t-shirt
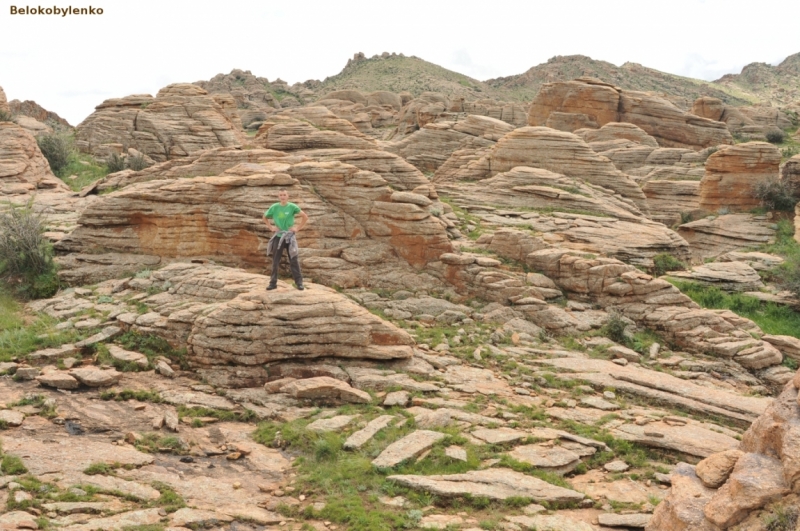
column 282, row 216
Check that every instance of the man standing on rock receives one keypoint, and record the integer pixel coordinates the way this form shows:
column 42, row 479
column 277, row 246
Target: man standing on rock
column 280, row 220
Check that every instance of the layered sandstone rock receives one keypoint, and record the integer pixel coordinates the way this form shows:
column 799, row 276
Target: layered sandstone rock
column 33, row 110
column 420, row 111
column 182, row 119
column 587, row 102
column 658, row 305
column 511, row 113
column 732, row 174
column 23, row 168
column 556, row 151
column 611, row 133
column 361, row 232
column 790, row 174
column 715, row 235
column 765, row 469
column 670, row 201
column 751, row 122
column 4, row 102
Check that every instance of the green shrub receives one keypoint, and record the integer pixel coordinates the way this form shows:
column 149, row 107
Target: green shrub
column 776, row 194
column 26, row 256
column 115, row 163
column 57, row 150
column 12, row 466
column 137, row 163
column 665, row 262
column 775, row 136
column 614, row 329
column 5, row 116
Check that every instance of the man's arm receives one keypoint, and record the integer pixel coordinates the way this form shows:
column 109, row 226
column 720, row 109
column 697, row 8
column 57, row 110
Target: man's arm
column 271, row 226
column 303, row 220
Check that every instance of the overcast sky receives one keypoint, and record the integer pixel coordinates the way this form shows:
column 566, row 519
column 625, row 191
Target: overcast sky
column 70, row 65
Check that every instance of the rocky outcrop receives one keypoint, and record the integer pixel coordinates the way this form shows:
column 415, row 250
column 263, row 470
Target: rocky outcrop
column 361, row 231
column 612, row 133
column 4, row 102
column 790, row 174
column 512, row 113
column 732, row 174
column 434, row 144
column 23, row 168
column 657, row 305
column 310, row 128
column 715, row 235
column 556, row 151
column 35, row 111
column 765, row 470
column 670, row 201
column 182, row 119
column 587, row 102
column 750, row 122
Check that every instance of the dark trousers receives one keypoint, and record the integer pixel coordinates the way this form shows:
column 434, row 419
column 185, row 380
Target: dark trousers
column 294, row 265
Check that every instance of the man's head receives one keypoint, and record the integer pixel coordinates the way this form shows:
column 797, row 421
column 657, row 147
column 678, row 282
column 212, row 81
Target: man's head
column 283, row 197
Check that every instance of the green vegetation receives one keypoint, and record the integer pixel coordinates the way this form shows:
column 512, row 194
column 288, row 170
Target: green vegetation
column 787, row 275
column 57, row 149
column 782, row 518
column 771, row 317
column 152, row 346
column 665, row 262
column 26, row 256
column 81, row 170
column 19, row 336
column 775, row 136
column 152, row 443
column 5, row 116
column 776, row 194
column 12, row 466
column 130, row 394
column 46, row 406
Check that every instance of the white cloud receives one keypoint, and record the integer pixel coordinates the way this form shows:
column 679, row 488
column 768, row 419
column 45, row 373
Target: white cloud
column 69, row 65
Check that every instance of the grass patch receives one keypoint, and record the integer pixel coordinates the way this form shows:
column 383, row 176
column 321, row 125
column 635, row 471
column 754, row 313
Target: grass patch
column 229, row 416
column 152, row 346
column 130, row 394
column 12, row 465
column 105, row 469
column 152, row 443
column 771, row 317
column 47, row 408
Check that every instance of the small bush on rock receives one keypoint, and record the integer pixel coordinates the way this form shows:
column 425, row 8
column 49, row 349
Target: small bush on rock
column 26, row 257
column 665, row 262
column 614, row 329
column 775, row 136
column 5, row 116
column 137, row 163
column 776, row 194
column 115, row 163
column 57, row 150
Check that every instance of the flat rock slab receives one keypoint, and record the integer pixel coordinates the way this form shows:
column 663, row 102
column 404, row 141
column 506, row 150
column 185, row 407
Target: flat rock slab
column 82, row 507
column 18, row 520
column 325, row 387
column 58, row 380
column 499, row 435
column 197, row 399
column 119, row 521
column 624, row 520
column 332, row 424
column 396, row 398
column 691, row 438
column 70, row 454
column 11, row 418
column 250, row 513
column 493, row 483
column 599, row 403
column 441, row 521
column 105, row 334
column 134, row 489
column 554, row 522
column 53, row 354
column 616, row 466
column 409, row 446
column 187, row 517
column 456, row 452
column 127, row 356
column 362, row 436
column 554, row 459
column 96, row 377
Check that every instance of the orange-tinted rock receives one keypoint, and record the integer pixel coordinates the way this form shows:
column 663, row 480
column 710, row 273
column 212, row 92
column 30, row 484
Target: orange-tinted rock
column 708, row 107
column 3, row 102
column 790, row 173
column 23, row 168
column 732, row 174
column 591, row 102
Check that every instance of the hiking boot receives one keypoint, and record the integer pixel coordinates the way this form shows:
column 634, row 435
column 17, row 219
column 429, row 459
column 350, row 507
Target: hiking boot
column 271, row 287
column 300, row 287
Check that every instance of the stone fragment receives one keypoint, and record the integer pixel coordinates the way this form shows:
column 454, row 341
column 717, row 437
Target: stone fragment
column 163, row 368
column 96, row 377
column 332, row 424
column 456, row 452
column 788, row 345
column 26, row 373
column 396, row 398
column 362, row 436
column 325, row 387
column 624, row 520
column 408, row 447
column 11, row 418
column 127, row 356
column 188, row 517
column 437, row 418
column 618, row 351
column 499, row 435
column 121, row 521
column 440, row 521
column 105, row 334
column 599, row 403
column 553, row 459
column 58, row 380
column 554, row 522
column 714, row 470
column 616, row 466
column 493, row 483
column 171, row 420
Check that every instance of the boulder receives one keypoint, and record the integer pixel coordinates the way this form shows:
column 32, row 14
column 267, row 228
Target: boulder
column 790, row 174
column 182, row 119
column 714, row 470
column 716, row 235
column 732, row 174
column 409, row 446
column 23, row 168
column 325, row 388
column 614, row 131
column 727, row 276
column 594, row 103
column 96, row 377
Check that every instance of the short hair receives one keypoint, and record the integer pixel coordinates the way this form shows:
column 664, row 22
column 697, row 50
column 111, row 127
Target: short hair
column 284, row 190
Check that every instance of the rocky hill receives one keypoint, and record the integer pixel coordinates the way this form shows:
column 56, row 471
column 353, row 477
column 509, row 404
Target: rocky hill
column 762, row 82
column 631, row 76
